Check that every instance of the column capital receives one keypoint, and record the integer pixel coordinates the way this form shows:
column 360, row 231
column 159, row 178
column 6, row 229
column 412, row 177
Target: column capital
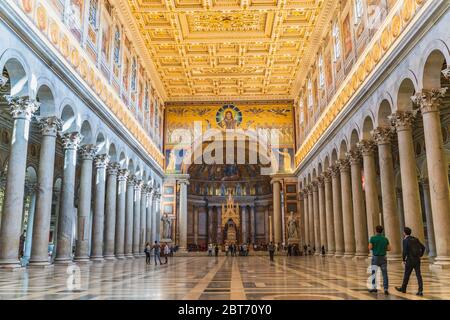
column 113, row 168
column 354, row 156
column 343, row 164
column 309, row 189
column 446, row 73
column 367, row 147
column 122, row 174
column 335, row 171
column 327, row 176
column 429, row 100
column 403, row 120
column 87, row 152
column 131, row 180
column 101, row 161
column 183, row 181
column 50, row 126
column 22, row 107
column 382, row 135
column 138, row 184
column 31, row 187
column 320, row 181
column 71, row 140
column 3, row 80
column 315, row 186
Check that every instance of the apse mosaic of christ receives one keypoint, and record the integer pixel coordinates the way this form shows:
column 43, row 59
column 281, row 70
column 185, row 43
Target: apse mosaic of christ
column 229, row 117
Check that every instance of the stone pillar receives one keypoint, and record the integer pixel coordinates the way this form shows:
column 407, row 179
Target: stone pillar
column 119, row 238
column 21, row 109
column 382, row 137
column 267, row 224
column 401, row 212
column 301, row 220
column 359, row 214
column 219, row 225
column 87, row 154
column 183, row 214
column 41, row 226
column 331, row 249
column 367, row 148
column 316, row 217
column 195, row 214
column 403, row 121
column 157, row 215
column 347, row 208
column 276, row 211
column 429, row 218
column 244, row 224
column 149, row 236
column 311, row 217
column 429, row 102
column 306, row 216
column 129, row 212
column 210, row 225
column 143, row 222
column 31, row 190
column 137, row 217
column 337, row 212
column 154, row 222
column 252, row 224
column 110, row 209
column 71, row 142
column 322, row 213
column 100, row 163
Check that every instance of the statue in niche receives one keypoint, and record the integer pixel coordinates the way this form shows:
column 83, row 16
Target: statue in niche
column 238, row 189
column 167, row 226
column 222, row 190
column 292, row 227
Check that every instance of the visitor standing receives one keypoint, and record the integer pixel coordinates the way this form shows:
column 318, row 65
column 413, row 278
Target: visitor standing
column 271, row 249
column 323, row 251
column 147, row 251
column 166, row 253
column 216, row 250
column 226, row 249
column 379, row 245
column 413, row 250
column 210, row 249
column 157, row 252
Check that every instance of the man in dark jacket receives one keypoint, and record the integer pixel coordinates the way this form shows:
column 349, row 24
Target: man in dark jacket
column 412, row 252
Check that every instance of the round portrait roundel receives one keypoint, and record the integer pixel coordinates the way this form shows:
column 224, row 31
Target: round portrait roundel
column 229, row 117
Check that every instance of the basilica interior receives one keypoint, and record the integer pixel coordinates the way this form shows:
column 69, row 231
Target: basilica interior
column 203, row 125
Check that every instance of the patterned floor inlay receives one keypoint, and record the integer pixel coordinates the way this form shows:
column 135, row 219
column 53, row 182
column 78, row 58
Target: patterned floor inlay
column 210, row 278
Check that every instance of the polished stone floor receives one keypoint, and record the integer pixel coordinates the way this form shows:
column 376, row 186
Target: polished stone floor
column 294, row 278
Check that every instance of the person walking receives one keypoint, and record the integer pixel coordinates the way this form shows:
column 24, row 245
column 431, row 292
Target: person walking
column 226, row 249
column 413, row 250
column 147, row 251
column 379, row 245
column 210, row 248
column 271, row 249
column 157, row 252
column 166, row 253
column 323, row 251
column 216, row 250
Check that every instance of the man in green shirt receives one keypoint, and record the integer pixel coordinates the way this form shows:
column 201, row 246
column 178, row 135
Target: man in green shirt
column 379, row 244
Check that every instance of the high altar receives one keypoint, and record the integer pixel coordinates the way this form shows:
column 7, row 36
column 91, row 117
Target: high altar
column 230, row 221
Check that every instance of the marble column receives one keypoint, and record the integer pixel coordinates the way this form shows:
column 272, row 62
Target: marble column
column 252, row 224
column 157, row 215
column 382, row 137
column 322, row 213
column 267, row 224
column 401, row 212
column 71, row 142
column 429, row 218
column 301, row 227
column 183, row 214
column 41, row 226
column 31, row 189
column 149, row 236
column 429, row 102
column 87, row 154
column 129, row 212
column 403, row 122
column 329, row 213
column 119, row 237
column 219, row 225
column 100, row 163
column 244, row 224
column 359, row 215
column 337, row 212
column 110, row 209
column 276, row 211
column 311, row 217
column 210, row 225
column 195, row 214
column 154, row 222
column 367, row 148
column 316, row 217
column 347, row 208
column 21, row 109
column 306, row 216
column 137, row 218
column 143, row 223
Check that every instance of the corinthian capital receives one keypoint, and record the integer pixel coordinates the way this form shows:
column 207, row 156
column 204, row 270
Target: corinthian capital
column 101, row 161
column 137, row 184
column 88, row 151
column 327, row 175
column 335, row 172
column 3, row 81
column 403, row 120
column 50, row 126
column 446, row 73
column 382, row 135
column 22, row 107
column 113, row 168
column 122, row 175
column 367, row 147
column 343, row 164
column 429, row 100
column 354, row 156
column 71, row 140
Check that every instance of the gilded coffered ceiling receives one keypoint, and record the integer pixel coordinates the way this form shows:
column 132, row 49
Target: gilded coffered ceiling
column 221, row 49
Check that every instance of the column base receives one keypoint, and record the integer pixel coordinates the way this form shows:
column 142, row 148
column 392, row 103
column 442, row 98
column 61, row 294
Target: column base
column 120, row 256
column 40, row 265
column 339, row 255
column 360, row 257
column 110, row 258
column 63, row 261
column 440, row 263
column 83, row 260
column 99, row 259
column 348, row 255
column 394, row 258
column 8, row 265
column 129, row 256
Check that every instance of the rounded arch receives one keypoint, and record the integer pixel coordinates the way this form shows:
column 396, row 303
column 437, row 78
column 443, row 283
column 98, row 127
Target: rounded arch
column 46, row 99
column 100, row 143
column 326, row 163
column 123, row 161
column 367, row 128
column 319, row 169
column 112, row 153
column 431, row 78
column 17, row 72
column 314, row 174
column 334, row 156
column 69, row 119
column 130, row 166
column 354, row 139
column 86, row 132
column 405, row 91
column 343, row 149
column 384, row 111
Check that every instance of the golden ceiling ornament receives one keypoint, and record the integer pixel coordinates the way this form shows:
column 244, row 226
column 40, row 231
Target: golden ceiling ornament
column 27, row 5
column 54, row 32
column 220, row 22
column 64, row 46
column 396, row 26
column 407, row 10
column 41, row 17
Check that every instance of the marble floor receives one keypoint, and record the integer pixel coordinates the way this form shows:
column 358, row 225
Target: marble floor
column 254, row 278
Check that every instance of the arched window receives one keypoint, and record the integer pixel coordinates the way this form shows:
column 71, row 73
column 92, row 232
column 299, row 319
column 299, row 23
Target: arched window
column 302, row 110
column 321, row 72
column 93, row 9
column 117, row 46
column 133, row 74
column 358, row 10
column 310, row 95
column 337, row 41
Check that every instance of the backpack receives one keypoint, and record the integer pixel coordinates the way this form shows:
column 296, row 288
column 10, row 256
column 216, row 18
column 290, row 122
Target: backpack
column 416, row 249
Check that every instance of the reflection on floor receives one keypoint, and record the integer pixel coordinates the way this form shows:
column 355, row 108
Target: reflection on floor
column 295, row 278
